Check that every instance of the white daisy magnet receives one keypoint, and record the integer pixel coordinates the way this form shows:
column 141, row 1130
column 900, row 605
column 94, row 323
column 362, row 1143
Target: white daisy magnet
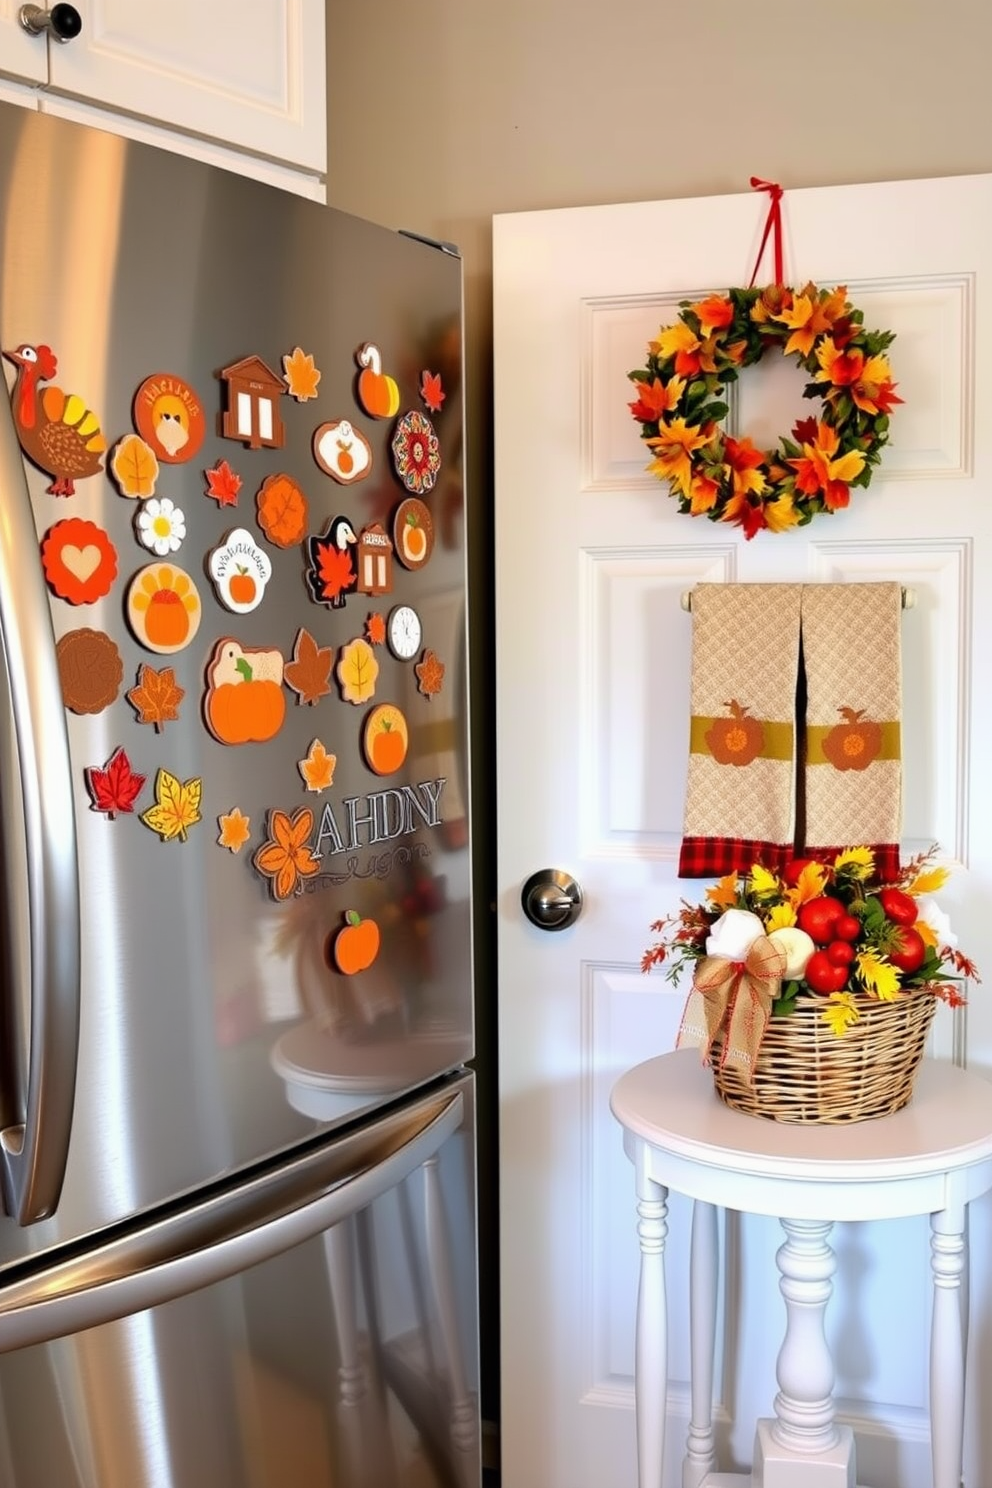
column 160, row 525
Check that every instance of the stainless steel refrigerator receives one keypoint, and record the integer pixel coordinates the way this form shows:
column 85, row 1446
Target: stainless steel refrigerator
column 237, row 1147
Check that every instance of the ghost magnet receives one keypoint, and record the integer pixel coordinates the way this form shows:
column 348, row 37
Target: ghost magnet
column 240, row 571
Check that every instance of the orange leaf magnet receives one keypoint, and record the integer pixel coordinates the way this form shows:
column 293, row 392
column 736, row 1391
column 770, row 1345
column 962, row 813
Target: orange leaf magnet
column 156, row 697
column 134, row 467
column 223, row 484
column 300, row 374
column 357, row 670
column 318, row 767
column 309, row 672
column 286, row 857
column 375, row 629
column 235, row 829
column 283, row 511
column 431, row 392
column 79, row 560
column 430, row 674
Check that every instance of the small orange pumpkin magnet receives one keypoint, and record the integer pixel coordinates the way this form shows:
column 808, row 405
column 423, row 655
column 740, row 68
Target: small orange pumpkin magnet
column 169, row 417
column 385, row 739
column 377, row 393
column 356, row 944
column 244, row 702
column 163, row 607
column 342, row 451
column 79, row 560
column 413, row 533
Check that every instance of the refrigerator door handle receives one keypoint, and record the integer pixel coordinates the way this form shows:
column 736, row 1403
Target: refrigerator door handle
column 39, row 970
column 159, row 1258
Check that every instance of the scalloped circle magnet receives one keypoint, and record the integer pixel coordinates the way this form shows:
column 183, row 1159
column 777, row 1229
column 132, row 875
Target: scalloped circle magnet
column 416, row 452
column 79, row 560
column 163, row 607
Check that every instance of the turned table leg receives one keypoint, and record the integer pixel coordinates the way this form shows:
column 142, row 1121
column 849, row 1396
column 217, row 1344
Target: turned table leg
column 651, row 1342
column 804, row 1407
column 700, row 1456
column 948, row 1261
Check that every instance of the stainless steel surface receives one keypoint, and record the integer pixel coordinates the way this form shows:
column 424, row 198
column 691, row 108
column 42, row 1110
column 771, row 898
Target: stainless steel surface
column 348, row 1360
column 551, row 899
column 63, row 22
column 127, row 261
column 39, row 983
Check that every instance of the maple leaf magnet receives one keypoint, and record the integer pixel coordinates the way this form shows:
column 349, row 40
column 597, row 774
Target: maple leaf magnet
column 223, row 484
column 431, row 392
column 235, row 829
column 156, row 697
column 114, row 788
column 317, row 768
column 375, row 629
column 177, row 806
column 300, row 374
column 357, row 670
column 331, row 575
column 430, row 674
column 309, row 672
column 286, row 858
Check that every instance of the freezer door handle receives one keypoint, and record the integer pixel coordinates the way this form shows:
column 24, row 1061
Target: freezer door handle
column 162, row 1256
column 39, row 957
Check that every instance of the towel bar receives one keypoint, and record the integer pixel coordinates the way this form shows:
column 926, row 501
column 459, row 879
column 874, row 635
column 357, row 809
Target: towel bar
column 908, row 599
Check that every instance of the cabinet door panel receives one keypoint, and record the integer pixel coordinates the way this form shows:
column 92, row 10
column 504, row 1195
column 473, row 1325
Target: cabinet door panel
column 21, row 55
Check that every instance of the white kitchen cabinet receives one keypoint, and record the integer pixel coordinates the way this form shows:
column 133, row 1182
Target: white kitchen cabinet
column 237, row 82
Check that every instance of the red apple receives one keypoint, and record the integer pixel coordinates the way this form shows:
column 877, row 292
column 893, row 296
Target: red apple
column 910, row 951
column 822, row 975
column 819, row 916
column 898, row 906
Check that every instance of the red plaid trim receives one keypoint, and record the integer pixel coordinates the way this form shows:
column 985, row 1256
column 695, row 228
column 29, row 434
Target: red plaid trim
column 712, row 857
column 886, row 857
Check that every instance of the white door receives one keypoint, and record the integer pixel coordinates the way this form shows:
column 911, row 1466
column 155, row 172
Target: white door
column 592, row 705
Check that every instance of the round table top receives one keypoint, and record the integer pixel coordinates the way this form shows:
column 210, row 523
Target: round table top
column 670, row 1102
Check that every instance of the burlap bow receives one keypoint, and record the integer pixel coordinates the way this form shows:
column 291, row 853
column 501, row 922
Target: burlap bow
column 736, row 997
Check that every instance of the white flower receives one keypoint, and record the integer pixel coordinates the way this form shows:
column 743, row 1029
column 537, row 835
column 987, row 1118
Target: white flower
column 930, row 912
column 797, row 947
column 161, row 526
column 733, row 934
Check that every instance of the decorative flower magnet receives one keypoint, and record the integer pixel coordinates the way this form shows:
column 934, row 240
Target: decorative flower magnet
column 177, row 806
column 356, row 944
column 56, row 431
column 317, row 768
column 90, row 670
column 160, row 525
column 377, row 393
column 244, row 701
column 413, row 533
column 235, row 829
column 114, row 788
column 300, row 375
column 385, row 739
column 169, row 416
column 134, row 467
column 79, row 560
column 252, row 413
column 416, row 452
column 163, row 607
column 331, row 575
column 283, row 512
column 342, row 451
column 223, row 484
column 309, row 672
column 240, row 571
column 286, row 858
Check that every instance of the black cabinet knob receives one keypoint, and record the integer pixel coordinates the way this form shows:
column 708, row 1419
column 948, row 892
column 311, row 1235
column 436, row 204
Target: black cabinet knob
column 63, row 22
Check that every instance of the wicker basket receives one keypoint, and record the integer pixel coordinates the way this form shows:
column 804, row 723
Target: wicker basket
column 806, row 1073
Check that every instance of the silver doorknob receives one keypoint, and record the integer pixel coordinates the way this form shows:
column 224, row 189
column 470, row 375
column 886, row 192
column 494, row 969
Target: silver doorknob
column 552, row 900
column 62, row 22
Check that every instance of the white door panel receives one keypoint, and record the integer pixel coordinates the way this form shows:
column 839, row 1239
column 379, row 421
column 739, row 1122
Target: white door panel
column 593, row 559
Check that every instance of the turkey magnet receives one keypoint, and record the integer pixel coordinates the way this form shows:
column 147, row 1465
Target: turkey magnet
column 342, row 452
column 56, row 430
column 240, row 571
column 79, row 560
column 244, row 702
column 163, row 607
column 169, row 417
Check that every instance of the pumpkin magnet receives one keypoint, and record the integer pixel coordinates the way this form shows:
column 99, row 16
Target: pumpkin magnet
column 413, row 533
column 163, row 607
column 342, row 451
column 356, row 944
column 114, row 788
column 169, row 417
column 240, row 571
column 416, row 452
column 79, row 560
column 90, row 670
column 300, row 375
column 252, row 413
column 377, row 393
column 244, row 701
column 134, row 467
column 331, row 574
column 283, row 511
column 385, row 739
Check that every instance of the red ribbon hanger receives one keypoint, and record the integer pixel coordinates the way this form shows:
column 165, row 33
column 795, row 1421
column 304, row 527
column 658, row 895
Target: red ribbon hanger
column 773, row 225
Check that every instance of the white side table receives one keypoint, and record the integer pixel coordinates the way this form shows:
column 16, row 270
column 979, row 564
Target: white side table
column 932, row 1158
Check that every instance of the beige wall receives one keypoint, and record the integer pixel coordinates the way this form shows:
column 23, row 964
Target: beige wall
column 443, row 112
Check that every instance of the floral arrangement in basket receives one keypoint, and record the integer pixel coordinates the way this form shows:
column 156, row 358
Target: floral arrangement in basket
column 763, row 941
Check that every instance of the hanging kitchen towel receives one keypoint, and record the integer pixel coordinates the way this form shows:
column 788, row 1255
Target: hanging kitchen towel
column 853, row 772
column 740, row 794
